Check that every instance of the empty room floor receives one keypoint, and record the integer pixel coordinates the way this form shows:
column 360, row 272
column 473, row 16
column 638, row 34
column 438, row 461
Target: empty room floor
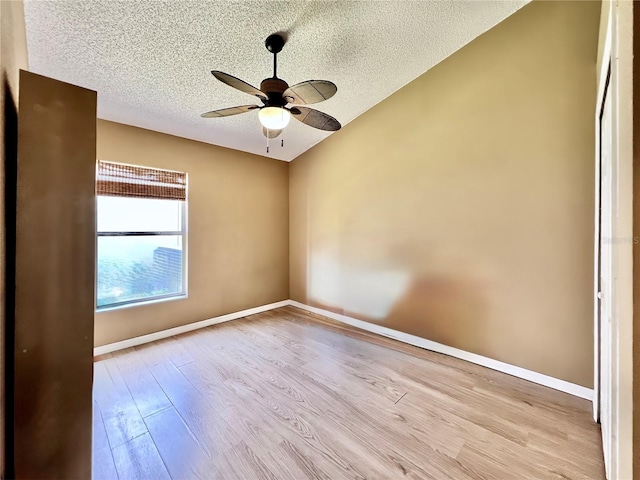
column 290, row 395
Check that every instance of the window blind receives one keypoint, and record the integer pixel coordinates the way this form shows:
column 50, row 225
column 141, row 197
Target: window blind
column 121, row 180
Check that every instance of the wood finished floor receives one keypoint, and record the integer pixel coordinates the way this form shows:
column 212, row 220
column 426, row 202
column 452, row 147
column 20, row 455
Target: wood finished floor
column 289, row 395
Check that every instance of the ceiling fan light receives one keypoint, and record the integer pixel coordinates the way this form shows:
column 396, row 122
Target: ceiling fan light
column 274, row 118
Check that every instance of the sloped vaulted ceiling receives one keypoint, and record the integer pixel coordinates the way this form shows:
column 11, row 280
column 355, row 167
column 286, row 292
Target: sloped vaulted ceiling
column 150, row 61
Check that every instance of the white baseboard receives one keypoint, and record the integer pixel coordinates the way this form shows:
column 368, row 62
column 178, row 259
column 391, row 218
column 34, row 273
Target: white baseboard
column 151, row 337
column 535, row 377
column 519, row 372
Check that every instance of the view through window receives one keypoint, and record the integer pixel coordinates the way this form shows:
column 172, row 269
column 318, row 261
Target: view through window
column 140, row 244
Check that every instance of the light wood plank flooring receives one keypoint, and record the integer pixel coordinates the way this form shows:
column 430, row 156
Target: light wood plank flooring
column 290, row 395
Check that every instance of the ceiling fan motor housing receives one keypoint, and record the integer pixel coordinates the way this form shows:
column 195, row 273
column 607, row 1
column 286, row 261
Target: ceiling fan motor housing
column 274, row 87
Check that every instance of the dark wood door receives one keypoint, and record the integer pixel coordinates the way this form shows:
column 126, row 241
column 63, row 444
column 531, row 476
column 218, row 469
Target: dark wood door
column 54, row 279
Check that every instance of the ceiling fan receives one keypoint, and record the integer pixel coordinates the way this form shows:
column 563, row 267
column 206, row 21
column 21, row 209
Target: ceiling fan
column 276, row 96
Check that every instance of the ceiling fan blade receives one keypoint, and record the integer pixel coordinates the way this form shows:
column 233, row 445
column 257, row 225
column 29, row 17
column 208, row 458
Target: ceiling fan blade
column 315, row 119
column 227, row 112
column 271, row 133
column 311, row 91
column 239, row 84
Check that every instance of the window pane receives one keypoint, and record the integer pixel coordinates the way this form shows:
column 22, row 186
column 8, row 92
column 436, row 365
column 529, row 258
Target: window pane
column 123, row 214
column 135, row 268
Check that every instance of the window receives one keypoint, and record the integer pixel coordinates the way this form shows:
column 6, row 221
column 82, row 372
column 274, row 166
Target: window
column 141, row 234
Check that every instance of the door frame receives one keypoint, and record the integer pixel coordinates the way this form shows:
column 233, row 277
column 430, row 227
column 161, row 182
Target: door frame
column 603, row 89
column 618, row 50
column 603, row 351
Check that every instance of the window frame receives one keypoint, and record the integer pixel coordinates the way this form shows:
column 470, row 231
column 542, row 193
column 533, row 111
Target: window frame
column 156, row 298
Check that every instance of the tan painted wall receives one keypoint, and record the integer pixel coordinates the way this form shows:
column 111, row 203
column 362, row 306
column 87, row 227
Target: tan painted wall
column 237, row 229
column 636, row 234
column 13, row 57
column 460, row 209
column 13, row 45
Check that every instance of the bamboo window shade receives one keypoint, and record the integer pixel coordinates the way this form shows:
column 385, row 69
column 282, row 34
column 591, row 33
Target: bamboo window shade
column 121, row 180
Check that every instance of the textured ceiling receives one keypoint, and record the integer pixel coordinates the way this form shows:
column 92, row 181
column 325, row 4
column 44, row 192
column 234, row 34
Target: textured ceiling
column 150, row 61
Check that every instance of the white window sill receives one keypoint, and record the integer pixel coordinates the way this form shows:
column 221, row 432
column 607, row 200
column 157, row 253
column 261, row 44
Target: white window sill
column 142, row 303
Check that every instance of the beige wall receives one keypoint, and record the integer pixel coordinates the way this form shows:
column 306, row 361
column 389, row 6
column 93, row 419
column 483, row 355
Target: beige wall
column 13, row 45
column 636, row 234
column 237, row 229
column 460, row 209
column 13, row 57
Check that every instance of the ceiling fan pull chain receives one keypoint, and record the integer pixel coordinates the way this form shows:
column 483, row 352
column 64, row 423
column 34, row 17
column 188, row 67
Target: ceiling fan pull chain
column 267, row 140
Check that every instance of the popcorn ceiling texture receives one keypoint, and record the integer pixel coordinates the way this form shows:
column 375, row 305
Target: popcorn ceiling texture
column 150, row 61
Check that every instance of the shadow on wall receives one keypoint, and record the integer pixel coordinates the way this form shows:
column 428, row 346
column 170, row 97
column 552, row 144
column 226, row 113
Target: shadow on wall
column 439, row 307
column 10, row 169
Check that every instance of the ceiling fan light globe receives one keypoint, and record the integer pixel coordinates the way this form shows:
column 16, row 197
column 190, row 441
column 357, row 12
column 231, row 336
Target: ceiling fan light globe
column 274, row 118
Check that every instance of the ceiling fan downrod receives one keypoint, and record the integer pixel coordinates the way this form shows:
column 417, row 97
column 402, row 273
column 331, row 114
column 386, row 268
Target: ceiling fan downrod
column 274, row 44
